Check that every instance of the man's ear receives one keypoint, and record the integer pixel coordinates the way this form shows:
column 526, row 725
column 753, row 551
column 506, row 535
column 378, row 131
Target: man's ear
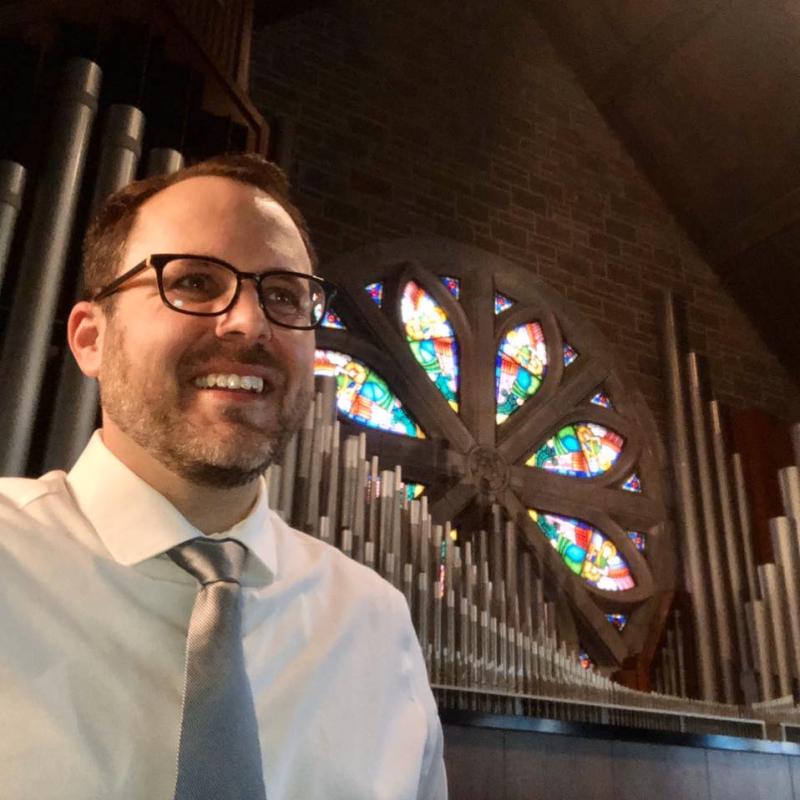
column 85, row 330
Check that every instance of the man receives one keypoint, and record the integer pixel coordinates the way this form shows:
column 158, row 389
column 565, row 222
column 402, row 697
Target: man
column 296, row 675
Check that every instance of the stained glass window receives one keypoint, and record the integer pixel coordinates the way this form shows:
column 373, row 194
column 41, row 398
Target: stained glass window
column 586, row 551
column 501, row 303
column 431, row 339
column 332, row 320
column 582, row 449
column 584, row 660
column 570, row 354
column 633, row 483
column 363, row 396
column 376, row 292
column 414, row 490
column 639, row 539
column 602, row 399
column 619, row 621
column 520, row 368
column 453, row 286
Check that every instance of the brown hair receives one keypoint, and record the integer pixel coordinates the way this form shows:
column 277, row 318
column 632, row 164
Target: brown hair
column 104, row 243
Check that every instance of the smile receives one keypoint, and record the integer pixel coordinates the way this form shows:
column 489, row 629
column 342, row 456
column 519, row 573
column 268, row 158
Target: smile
column 250, row 383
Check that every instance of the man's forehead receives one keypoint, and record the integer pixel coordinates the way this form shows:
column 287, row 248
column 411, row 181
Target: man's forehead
column 212, row 215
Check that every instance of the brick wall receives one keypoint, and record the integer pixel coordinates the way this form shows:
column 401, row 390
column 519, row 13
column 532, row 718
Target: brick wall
column 459, row 119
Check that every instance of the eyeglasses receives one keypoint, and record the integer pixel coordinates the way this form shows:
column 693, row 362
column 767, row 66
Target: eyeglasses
column 205, row 286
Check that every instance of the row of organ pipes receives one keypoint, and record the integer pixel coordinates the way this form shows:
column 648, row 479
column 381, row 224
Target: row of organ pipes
column 43, row 258
column 488, row 633
column 746, row 616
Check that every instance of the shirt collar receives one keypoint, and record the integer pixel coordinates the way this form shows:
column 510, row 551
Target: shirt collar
column 135, row 522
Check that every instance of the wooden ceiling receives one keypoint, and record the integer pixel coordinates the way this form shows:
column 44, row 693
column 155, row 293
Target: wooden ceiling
column 706, row 95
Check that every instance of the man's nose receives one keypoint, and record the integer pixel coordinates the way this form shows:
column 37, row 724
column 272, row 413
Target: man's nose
column 246, row 318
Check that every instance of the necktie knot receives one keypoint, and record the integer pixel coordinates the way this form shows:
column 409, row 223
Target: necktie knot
column 210, row 560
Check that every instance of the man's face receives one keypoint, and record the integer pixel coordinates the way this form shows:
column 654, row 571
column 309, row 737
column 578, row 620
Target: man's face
column 153, row 356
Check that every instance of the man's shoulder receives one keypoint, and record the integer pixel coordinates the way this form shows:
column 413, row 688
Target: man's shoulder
column 346, row 571
column 17, row 495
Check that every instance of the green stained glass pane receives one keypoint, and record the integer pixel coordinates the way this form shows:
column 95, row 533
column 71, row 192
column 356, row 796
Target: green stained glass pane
column 431, row 339
column 582, row 450
column 363, row 396
column 520, row 368
column 586, row 551
column 414, row 490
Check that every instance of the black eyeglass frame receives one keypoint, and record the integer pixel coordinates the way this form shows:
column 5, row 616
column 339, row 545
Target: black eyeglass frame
column 160, row 260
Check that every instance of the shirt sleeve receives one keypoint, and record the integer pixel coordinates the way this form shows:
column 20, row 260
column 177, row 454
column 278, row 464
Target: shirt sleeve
column 433, row 779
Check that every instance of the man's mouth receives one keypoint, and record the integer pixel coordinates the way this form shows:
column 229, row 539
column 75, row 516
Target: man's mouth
column 248, row 383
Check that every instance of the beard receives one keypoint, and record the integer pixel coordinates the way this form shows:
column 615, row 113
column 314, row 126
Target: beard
column 154, row 415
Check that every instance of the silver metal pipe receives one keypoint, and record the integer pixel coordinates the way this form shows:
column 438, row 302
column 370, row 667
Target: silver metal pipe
column 786, row 547
column 688, row 522
column 27, row 339
column 732, row 542
column 75, row 411
column 758, row 620
column 12, row 188
column 715, row 557
column 163, row 161
column 774, row 594
column 745, row 526
column 789, row 481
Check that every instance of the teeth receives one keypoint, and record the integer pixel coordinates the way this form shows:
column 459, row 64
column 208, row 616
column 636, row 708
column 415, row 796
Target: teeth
column 250, row 383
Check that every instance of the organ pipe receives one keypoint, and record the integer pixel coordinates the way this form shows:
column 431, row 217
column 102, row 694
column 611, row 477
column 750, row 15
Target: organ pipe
column 715, row 558
column 75, row 412
column 691, row 541
column 163, row 161
column 12, row 188
column 27, row 338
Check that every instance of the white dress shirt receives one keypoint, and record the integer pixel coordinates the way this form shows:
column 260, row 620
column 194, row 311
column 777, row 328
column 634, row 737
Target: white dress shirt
column 93, row 624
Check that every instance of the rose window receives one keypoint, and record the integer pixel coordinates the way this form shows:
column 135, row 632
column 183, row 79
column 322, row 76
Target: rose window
column 487, row 387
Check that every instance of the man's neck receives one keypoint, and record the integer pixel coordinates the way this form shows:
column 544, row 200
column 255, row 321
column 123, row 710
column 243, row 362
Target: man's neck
column 207, row 508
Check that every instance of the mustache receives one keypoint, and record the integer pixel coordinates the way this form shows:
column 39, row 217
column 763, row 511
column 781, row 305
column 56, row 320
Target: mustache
column 253, row 355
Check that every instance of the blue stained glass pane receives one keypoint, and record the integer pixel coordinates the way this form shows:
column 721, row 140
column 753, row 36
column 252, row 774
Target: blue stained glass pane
column 633, row 484
column 376, row 292
column 453, row 286
column 639, row 539
column 332, row 320
column 602, row 399
column 570, row 354
column 501, row 303
column 619, row 621
column 584, row 660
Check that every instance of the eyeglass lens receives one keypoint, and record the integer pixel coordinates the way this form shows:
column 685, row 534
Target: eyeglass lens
column 198, row 286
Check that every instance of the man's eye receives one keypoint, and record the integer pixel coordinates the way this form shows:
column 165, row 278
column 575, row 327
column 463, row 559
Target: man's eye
column 281, row 296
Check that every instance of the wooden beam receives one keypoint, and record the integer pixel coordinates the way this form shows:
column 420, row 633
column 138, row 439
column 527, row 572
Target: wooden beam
column 766, row 222
column 650, row 53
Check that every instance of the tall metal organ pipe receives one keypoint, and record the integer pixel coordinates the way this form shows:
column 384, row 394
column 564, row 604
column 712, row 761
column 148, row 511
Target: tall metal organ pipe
column 691, row 542
column 75, row 408
column 163, row 161
column 716, row 561
column 27, row 339
column 12, row 187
